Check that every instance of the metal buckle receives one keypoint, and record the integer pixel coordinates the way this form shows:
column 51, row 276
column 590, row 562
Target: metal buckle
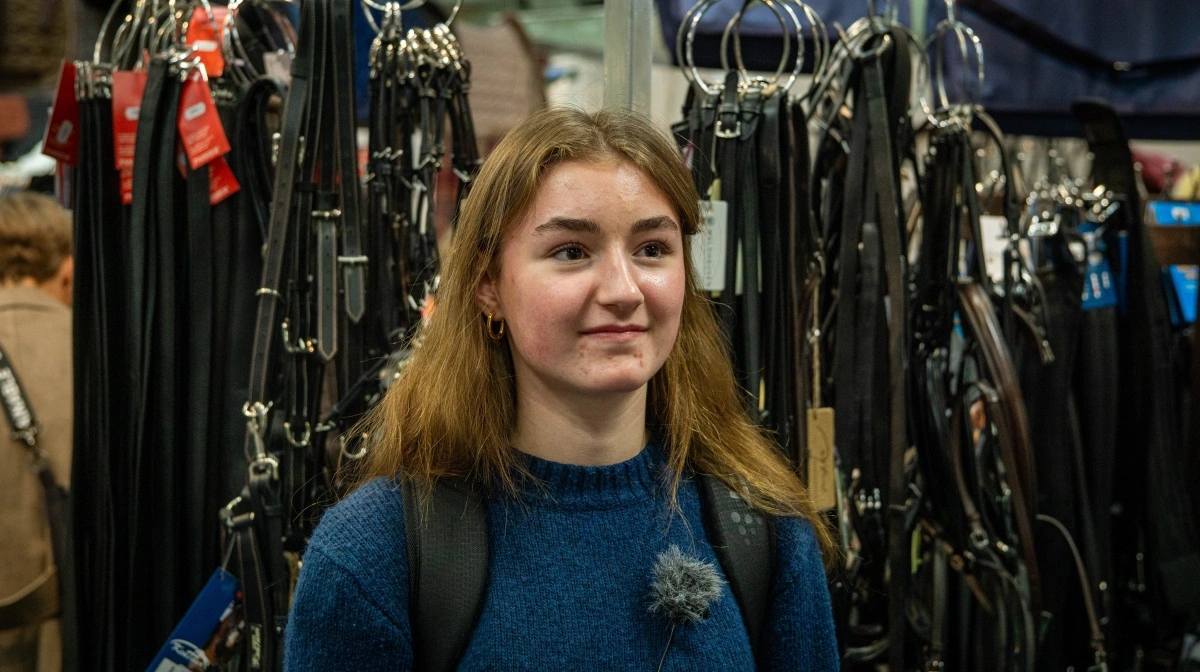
column 725, row 134
column 265, row 465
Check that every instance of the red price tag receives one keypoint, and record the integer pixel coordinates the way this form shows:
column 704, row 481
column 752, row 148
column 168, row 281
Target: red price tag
column 221, row 182
column 127, row 186
column 127, row 90
column 62, row 133
column 205, row 37
column 199, row 124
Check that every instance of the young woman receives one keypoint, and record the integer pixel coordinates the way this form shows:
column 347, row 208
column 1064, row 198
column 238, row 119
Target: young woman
column 575, row 376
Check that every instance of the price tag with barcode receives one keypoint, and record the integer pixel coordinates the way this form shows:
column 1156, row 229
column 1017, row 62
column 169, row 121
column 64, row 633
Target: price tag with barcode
column 708, row 245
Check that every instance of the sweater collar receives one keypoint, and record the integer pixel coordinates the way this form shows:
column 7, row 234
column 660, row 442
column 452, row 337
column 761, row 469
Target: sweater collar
column 576, row 486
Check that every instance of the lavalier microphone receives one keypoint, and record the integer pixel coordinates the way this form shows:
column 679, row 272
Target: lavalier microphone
column 683, row 590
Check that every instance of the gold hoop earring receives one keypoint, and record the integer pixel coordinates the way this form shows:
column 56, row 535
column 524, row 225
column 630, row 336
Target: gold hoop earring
column 493, row 333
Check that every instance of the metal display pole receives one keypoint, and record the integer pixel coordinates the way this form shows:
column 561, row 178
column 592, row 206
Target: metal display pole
column 628, row 52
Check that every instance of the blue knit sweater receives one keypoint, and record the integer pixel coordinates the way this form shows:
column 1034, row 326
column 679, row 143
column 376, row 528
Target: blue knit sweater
column 568, row 584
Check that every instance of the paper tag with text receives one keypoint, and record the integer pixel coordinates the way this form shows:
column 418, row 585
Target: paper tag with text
column 62, row 133
column 199, row 124
column 221, row 182
column 708, row 245
column 204, row 36
column 127, row 90
column 822, row 470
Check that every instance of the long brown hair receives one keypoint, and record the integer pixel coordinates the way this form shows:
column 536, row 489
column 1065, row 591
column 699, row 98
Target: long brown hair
column 452, row 409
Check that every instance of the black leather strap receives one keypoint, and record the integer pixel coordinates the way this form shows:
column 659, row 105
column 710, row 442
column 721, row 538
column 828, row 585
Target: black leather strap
column 263, row 538
column 352, row 261
column 1155, row 488
column 894, row 261
column 278, row 231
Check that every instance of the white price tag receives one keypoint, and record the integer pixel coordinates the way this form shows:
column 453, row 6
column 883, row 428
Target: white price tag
column 708, row 245
column 995, row 245
column 279, row 65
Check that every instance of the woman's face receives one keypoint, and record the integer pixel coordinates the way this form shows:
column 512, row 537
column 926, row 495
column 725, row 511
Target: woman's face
column 591, row 281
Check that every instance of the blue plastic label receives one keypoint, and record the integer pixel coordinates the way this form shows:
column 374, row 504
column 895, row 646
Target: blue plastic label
column 1099, row 285
column 1174, row 212
column 1183, row 278
column 208, row 630
column 1099, row 288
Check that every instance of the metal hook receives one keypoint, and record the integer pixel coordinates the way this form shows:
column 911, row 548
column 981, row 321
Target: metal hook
column 689, row 44
column 735, row 21
column 968, row 42
column 256, row 425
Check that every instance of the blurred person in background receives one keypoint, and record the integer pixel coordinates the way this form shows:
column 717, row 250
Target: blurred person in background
column 36, row 269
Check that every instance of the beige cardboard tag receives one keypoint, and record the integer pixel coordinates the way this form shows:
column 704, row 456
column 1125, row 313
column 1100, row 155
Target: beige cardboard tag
column 822, row 486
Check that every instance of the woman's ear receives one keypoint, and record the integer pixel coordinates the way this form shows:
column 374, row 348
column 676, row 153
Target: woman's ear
column 486, row 296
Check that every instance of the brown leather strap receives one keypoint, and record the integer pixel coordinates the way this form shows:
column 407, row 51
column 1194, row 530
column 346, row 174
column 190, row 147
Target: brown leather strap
column 1007, row 411
column 33, row 604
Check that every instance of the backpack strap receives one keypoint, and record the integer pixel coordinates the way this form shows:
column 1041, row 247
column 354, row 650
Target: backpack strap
column 744, row 540
column 447, row 571
column 448, row 564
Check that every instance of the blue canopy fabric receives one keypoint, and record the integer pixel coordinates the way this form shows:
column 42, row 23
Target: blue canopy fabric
column 1040, row 57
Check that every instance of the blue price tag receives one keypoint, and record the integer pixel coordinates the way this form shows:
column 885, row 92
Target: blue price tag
column 208, row 629
column 1182, row 278
column 1099, row 285
column 1185, row 279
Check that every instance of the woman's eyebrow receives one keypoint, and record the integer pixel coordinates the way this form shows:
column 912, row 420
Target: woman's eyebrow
column 654, row 224
column 578, row 225
column 571, row 224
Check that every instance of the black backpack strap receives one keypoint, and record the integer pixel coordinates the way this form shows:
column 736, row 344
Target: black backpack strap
column 447, row 571
column 743, row 538
column 43, row 601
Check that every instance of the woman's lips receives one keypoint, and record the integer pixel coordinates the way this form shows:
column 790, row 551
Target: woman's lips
column 615, row 332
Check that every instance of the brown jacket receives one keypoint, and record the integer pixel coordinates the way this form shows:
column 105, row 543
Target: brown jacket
column 35, row 331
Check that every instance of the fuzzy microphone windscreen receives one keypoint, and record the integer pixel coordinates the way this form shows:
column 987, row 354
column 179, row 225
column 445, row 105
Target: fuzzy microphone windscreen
column 684, row 587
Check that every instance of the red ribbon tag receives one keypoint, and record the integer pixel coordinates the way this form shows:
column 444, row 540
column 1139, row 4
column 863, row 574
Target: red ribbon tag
column 199, row 124
column 62, row 133
column 205, row 37
column 127, row 90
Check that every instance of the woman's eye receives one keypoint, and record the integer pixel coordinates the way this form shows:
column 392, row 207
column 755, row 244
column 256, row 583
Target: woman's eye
column 569, row 253
column 654, row 250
